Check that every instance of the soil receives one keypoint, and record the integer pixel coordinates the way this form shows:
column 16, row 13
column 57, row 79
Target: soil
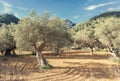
column 70, row 66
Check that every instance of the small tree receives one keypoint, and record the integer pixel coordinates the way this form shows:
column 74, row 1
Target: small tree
column 7, row 42
column 86, row 38
column 60, row 36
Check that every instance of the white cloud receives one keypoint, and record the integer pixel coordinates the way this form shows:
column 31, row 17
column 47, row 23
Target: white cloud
column 22, row 8
column 112, row 9
column 76, row 17
column 6, row 6
column 92, row 7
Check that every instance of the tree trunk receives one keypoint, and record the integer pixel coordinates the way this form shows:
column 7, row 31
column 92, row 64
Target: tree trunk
column 2, row 52
column 109, row 49
column 38, row 57
column 114, row 51
column 33, row 52
column 7, row 52
column 91, row 51
column 13, row 52
column 56, row 51
column 42, row 62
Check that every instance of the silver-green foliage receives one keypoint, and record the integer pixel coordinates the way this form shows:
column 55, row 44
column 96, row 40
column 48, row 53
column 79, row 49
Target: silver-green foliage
column 108, row 32
column 85, row 36
column 6, row 38
column 39, row 31
column 60, row 35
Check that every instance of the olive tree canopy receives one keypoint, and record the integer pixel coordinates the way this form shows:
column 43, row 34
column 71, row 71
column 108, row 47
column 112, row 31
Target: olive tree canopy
column 108, row 32
column 39, row 31
column 34, row 32
column 7, row 42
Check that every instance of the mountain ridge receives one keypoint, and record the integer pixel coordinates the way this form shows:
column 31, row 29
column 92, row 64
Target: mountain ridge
column 8, row 18
column 107, row 14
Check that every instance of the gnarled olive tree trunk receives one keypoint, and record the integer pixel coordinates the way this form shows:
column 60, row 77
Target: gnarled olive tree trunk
column 7, row 52
column 113, row 51
column 42, row 62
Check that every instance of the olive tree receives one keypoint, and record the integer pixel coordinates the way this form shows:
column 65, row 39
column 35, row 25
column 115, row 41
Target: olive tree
column 86, row 38
column 60, row 36
column 108, row 32
column 7, row 43
column 34, row 32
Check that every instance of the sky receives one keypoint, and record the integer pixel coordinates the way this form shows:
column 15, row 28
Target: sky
column 74, row 10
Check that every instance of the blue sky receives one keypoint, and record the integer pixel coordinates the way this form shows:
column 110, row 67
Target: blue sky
column 74, row 10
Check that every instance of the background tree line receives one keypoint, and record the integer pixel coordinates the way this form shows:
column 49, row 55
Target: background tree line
column 101, row 31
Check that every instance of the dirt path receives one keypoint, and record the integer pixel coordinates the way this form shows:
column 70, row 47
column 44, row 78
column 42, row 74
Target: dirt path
column 68, row 67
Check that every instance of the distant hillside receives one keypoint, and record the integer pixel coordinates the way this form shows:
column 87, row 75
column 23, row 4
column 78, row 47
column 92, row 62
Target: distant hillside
column 8, row 18
column 69, row 23
column 95, row 20
column 107, row 14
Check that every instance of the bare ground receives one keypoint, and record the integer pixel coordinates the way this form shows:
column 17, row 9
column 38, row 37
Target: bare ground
column 71, row 66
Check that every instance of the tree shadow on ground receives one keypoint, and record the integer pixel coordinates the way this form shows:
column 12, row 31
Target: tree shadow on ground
column 96, row 70
column 24, row 65
column 80, row 56
column 16, row 68
column 74, row 73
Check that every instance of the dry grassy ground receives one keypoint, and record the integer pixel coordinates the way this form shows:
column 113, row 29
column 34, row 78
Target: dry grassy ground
column 71, row 66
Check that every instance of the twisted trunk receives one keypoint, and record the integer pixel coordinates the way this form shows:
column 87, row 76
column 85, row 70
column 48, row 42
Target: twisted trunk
column 42, row 62
column 7, row 52
column 113, row 51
